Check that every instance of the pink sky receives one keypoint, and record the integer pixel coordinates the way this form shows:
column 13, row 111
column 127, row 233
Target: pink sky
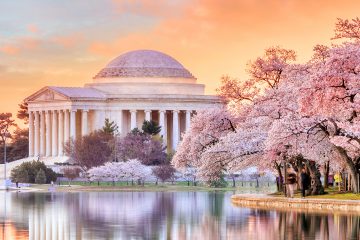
column 65, row 43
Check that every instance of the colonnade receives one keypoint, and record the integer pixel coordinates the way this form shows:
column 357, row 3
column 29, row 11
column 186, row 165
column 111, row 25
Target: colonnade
column 49, row 130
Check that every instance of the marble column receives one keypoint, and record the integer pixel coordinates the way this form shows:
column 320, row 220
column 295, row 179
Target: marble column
column 188, row 120
column 132, row 119
column 60, row 133
column 31, row 134
column 73, row 124
column 147, row 115
column 176, row 136
column 120, row 121
column 99, row 118
column 84, row 122
column 162, row 124
column 37, row 134
column 66, row 126
column 48, row 133
column 54, row 133
column 42, row 134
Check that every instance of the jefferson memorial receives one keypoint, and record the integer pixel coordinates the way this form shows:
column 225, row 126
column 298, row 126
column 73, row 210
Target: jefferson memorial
column 135, row 86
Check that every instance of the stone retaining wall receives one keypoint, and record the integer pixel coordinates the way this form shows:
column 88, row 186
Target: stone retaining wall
column 307, row 204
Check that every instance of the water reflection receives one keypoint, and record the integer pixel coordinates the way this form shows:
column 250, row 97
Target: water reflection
column 159, row 215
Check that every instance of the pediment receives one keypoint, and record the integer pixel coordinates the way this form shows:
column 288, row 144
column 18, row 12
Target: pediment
column 46, row 94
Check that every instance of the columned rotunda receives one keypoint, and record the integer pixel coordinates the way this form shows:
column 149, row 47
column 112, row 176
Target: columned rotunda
column 135, row 86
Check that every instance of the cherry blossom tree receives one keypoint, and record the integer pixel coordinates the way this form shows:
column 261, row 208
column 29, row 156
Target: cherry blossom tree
column 345, row 28
column 164, row 172
column 96, row 174
column 207, row 127
column 116, row 171
column 251, row 118
column 265, row 72
column 71, row 173
column 189, row 174
column 141, row 146
column 91, row 150
column 331, row 96
column 135, row 170
column 311, row 108
column 268, row 70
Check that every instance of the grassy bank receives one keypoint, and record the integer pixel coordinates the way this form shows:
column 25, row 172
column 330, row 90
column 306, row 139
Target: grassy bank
column 124, row 186
column 330, row 193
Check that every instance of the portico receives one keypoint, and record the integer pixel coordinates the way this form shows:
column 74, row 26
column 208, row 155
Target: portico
column 136, row 86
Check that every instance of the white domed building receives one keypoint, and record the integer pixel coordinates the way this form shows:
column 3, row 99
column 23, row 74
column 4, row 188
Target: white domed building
column 136, row 86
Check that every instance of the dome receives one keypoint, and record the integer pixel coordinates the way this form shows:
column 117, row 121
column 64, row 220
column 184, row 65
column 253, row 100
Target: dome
column 144, row 63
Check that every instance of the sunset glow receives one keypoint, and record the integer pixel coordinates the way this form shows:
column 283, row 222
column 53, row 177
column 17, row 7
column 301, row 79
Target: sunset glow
column 66, row 43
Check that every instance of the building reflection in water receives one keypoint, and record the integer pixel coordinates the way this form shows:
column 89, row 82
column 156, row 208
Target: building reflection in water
column 159, row 215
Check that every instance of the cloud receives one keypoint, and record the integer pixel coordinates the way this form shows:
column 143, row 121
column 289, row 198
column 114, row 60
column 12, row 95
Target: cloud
column 205, row 26
column 3, row 68
column 21, row 44
column 32, row 28
column 68, row 41
column 158, row 8
column 10, row 49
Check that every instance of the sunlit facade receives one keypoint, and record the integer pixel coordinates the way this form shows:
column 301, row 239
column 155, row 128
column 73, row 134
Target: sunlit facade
column 136, row 86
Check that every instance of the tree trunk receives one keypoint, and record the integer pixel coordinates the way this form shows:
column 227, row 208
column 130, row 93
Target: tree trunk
column 188, row 182
column 349, row 182
column 233, row 182
column 326, row 174
column 279, row 183
column 351, row 166
column 316, row 187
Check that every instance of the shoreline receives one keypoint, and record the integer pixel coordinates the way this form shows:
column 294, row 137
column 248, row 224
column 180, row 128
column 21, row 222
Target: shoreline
column 296, row 204
column 255, row 200
column 133, row 188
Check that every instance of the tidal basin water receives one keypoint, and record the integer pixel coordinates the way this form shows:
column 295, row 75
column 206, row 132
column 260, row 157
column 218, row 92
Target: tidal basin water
column 159, row 215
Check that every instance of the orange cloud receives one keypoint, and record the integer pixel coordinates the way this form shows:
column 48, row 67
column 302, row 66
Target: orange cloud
column 158, row 8
column 19, row 45
column 28, row 43
column 209, row 37
column 32, row 28
column 213, row 38
column 9, row 49
column 68, row 41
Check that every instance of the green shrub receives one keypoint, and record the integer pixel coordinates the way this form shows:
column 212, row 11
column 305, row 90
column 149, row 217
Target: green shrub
column 40, row 177
column 22, row 176
column 28, row 171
